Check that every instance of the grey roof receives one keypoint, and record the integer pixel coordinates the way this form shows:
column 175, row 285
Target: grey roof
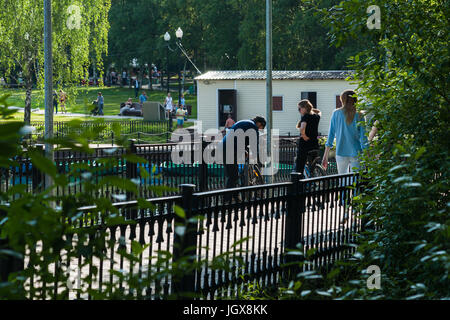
column 276, row 75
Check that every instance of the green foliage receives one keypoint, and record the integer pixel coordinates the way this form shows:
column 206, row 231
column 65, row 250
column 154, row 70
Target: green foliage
column 22, row 41
column 224, row 35
column 51, row 233
column 404, row 78
column 406, row 204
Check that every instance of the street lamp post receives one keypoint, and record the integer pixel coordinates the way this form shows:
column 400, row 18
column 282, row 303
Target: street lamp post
column 269, row 97
column 48, row 85
column 179, row 35
column 167, row 39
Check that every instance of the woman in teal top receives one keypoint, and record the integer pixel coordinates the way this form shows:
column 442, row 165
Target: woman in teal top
column 349, row 133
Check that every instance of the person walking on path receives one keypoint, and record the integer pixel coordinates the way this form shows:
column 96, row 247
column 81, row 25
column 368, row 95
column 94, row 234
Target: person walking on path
column 308, row 127
column 55, row 101
column 180, row 117
column 124, row 78
column 183, row 101
column 136, row 87
column 168, row 104
column 100, row 103
column 62, row 100
column 350, row 135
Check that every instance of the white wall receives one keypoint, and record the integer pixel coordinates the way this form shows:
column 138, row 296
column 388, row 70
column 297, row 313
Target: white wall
column 251, row 100
column 207, row 101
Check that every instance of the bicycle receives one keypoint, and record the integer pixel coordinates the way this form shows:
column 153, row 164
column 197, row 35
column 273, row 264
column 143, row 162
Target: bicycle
column 250, row 174
column 313, row 167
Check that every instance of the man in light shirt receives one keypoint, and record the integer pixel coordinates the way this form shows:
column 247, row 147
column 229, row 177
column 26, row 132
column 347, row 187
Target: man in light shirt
column 180, row 117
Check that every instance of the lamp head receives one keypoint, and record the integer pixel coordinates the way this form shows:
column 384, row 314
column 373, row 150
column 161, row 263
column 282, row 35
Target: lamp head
column 179, row 33
column 167, row 36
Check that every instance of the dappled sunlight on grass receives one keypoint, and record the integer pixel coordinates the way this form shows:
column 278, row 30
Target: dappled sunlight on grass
column 114, row 96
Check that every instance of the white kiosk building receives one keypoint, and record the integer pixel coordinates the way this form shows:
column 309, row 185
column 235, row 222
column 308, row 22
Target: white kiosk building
column 243, row 94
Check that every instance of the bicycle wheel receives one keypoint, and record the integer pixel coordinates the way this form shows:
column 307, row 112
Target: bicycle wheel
column 255, row 176
column 318, row 171
column 245, row 178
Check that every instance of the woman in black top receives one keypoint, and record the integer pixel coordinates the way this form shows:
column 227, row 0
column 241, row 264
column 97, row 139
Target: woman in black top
column 309, row 130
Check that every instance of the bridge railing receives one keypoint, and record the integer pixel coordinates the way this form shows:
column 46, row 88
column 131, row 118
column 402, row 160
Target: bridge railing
column 247, row 232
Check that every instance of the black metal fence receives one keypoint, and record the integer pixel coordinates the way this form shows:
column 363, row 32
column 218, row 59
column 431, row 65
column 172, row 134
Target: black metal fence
column 127, row 127
column 161, row 170
column 251, row 228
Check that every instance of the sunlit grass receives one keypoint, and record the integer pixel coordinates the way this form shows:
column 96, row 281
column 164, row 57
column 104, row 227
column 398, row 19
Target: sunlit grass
column 113, row 96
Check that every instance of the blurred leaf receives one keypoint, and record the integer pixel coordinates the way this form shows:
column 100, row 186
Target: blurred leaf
column 43, row 164
column 179, row 212
column 180, row 230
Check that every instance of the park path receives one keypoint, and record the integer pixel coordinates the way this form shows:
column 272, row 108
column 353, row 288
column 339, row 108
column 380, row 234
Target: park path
column 77, row 115
column 81, row 115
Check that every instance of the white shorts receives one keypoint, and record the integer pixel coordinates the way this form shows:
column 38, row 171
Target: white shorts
column 347, row 164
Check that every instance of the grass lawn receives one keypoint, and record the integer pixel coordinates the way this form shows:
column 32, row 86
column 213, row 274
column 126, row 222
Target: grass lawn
column 114, row 96
column 40, row 117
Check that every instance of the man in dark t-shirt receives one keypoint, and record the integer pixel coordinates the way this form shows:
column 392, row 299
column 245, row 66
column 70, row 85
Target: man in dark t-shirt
column 309, row 130
column 231, row 169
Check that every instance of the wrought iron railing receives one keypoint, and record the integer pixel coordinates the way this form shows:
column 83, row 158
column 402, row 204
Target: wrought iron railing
column 161, row 170
column 251, row 229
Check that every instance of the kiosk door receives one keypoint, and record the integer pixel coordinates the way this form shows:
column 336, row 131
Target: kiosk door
column 227, row 105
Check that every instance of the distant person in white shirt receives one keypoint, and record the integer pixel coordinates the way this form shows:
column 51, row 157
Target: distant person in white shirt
column 124, row 78
column 137, row 86
column 168, row 104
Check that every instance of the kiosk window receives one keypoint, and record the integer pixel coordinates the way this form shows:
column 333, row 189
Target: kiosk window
column 227, row 105
column 311, row 96
column 277, row 103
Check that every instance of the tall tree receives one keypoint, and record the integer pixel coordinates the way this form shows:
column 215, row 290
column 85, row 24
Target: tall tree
column 80, row 30
column 404, row 76
column 226, row 34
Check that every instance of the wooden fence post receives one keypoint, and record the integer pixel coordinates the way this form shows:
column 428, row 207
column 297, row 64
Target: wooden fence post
column 185, row 244
column 294, row 220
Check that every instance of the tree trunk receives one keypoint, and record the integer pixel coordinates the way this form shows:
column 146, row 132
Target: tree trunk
column 129, row 78
column 150, row 77
column 141, row 73
column 27, row 111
